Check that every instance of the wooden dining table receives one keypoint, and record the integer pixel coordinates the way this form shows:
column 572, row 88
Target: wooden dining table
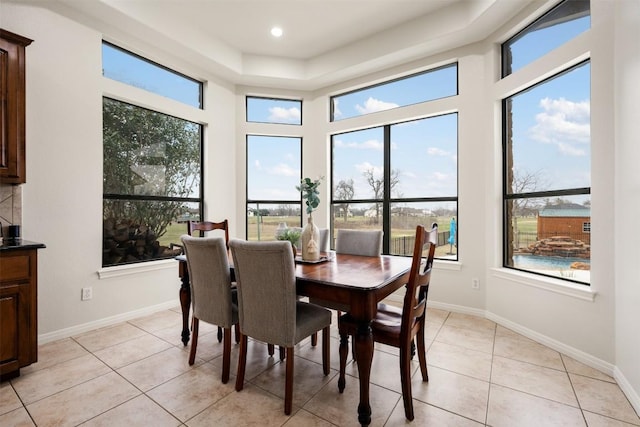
column 350, row 281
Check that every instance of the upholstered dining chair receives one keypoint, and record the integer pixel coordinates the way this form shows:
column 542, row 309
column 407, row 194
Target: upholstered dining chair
column 269, row 310
column 206, row 226
column 398, row 327
column 212, row 296
column 352, row 242
column 359, row 242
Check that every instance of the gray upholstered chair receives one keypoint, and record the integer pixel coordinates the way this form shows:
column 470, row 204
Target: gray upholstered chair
column 359, row 242
column 269, row 309
column 212, row 296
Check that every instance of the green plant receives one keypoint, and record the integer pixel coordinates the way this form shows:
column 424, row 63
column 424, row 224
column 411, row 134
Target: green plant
column 291, row 235
column 310, row 193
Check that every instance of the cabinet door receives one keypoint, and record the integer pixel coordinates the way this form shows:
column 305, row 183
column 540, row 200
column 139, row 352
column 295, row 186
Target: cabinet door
column 14, row 320
column 12, row 107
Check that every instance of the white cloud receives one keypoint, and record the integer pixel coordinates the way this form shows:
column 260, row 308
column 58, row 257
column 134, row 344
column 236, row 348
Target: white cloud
column 257, row 164
column 563, row 123
column 434, row 151
column 363, row 167
column 287, row 115
column 439, row 176
column 371, row 144
column 336, row 108
column 282, row 169
column 371, row 105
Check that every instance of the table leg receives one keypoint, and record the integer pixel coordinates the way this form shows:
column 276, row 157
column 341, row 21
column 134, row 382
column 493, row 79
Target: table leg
column 363, row 344
column 185, row 304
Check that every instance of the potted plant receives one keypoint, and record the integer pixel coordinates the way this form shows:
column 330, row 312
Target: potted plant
column 310, row 233
column 292, row 236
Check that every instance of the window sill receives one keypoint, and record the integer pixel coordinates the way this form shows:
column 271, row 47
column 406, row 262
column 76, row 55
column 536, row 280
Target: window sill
column 447, row 265
column 558, row 286
column 142, row 267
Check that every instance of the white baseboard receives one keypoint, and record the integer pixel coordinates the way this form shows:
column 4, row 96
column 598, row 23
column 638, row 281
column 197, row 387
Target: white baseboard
column 625, row 386
column 107, row 321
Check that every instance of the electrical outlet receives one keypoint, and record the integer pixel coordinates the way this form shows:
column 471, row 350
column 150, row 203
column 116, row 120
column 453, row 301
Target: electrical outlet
column 87, row 294
column 475, row 283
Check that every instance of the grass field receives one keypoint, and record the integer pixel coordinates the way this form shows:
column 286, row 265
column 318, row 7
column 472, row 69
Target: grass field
column 401, row 227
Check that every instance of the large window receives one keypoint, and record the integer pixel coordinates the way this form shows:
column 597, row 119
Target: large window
column 395, row 177
column 272, row 110
column 547, row 158
column 427, row 86
column 273, row 171
column 152, row 171
column 561, row 24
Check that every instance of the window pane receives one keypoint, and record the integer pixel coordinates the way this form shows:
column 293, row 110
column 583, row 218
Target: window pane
column 263, row 219
column 552, row 236
column 142, row 230
column 550, row 134
column 147, row 153
column 424, row 157
column 125, row 67
column 405, row 217
column 268, row 110
column 358, row 164
column 273, row 167
column 427, row 86
column 561, row 24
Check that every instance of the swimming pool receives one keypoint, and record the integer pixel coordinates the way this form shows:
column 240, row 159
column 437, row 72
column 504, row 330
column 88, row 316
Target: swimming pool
column 537, row 262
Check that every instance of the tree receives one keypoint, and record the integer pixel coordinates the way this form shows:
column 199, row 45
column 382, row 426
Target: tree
column 524, row 181
column 147, row 155
column 344, row 191
column 377, row 185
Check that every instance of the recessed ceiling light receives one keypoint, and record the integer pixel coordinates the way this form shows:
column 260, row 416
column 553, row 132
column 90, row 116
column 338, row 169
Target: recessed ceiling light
column 276, row 32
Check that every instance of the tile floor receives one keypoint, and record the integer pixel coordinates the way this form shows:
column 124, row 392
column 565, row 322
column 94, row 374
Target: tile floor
column 136, row 374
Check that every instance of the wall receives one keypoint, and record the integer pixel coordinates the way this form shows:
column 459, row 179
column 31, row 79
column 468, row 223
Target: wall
column 626, row 265
column 62, row 199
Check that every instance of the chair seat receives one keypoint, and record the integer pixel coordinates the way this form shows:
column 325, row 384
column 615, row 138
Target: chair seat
column 309, row 319
column 388, row 319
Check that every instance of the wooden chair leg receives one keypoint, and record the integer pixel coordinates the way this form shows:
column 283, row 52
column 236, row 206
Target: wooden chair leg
column 326, row 351
column 288, row 387
column 405, row 381
column 282, row 352
column 314, row 339
column 226, row 356
column 344, row 349
column 195, row 322
column 219, row 334
column 270, row 349
column 422, row 356
column 237, row 332
column 242, row 363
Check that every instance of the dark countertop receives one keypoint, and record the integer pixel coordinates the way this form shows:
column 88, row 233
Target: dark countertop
column 12, row 245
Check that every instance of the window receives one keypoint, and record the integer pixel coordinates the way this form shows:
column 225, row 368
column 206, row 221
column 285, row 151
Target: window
column 125, row 67
column 273, row 171
column 427, row 86
column 556, row 27
column 152, row 163
column 395, row 177
column 270, row 110
column 586, row 227
column 547, row 179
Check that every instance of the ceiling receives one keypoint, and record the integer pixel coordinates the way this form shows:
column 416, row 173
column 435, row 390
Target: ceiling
column 324, row 41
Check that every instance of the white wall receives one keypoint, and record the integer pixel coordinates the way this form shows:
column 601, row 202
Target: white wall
column 62, row 199
column 626, row 244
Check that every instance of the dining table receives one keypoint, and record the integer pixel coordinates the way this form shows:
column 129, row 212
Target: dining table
column 352, row 282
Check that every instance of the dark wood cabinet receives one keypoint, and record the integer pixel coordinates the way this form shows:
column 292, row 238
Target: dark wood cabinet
column 12, row 107
column 18, row 309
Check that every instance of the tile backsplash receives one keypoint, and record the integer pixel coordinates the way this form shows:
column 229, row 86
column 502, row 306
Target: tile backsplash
column 10, row 206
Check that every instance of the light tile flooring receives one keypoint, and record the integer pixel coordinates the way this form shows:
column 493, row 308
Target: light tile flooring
column 136, row 374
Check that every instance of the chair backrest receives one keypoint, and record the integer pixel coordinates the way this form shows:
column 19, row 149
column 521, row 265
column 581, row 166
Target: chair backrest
column 415, row 299
column 266, row 276
column 359, row 242
column 210, row 278
column 203, row 226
